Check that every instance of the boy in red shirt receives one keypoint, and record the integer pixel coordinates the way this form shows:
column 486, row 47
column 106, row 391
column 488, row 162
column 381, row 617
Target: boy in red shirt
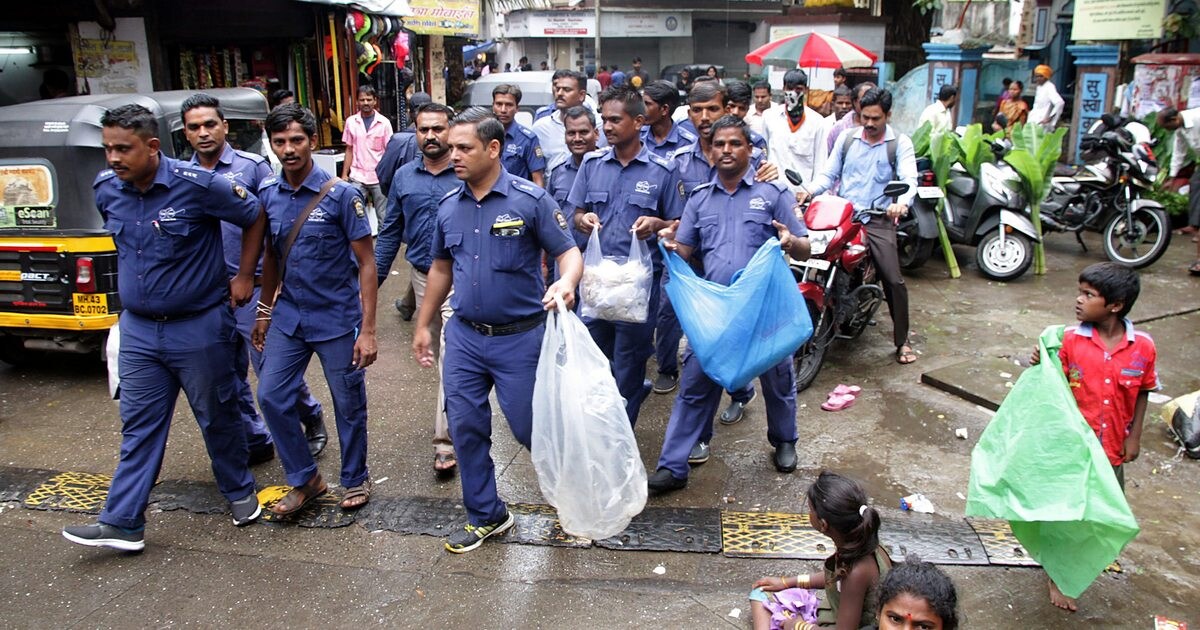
column 1109, row 367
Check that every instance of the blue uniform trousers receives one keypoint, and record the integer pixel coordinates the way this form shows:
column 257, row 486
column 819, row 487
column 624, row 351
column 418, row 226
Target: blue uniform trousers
column 156, row 360
column 473, row 365
column 697, row 402
column 245, row 355
column 284, row 363
column 628, row 346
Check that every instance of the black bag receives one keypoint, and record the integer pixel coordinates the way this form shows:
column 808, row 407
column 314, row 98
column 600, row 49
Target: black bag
column 1185, row 424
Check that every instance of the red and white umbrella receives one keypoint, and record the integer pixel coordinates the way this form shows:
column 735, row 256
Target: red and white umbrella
column 812, row 50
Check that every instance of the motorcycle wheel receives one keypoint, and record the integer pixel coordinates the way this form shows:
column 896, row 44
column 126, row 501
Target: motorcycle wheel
column 1005, row 262
column 863, row 311
column 1141, row 241
column 914, row 252
column 810, row 357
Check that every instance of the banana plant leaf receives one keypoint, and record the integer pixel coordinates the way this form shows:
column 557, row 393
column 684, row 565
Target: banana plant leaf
column 974, row 149
column 921, row 139
column 1039, row 466
column 1033, row 157
column 944, row 153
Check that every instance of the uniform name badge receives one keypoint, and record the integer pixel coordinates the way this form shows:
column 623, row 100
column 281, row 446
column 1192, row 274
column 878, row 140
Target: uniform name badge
column 508, row 227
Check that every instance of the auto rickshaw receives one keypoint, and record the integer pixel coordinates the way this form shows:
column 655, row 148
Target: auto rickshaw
column 58, row 267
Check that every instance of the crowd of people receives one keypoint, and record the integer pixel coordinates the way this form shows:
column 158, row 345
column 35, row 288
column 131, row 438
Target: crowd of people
column 492, row 217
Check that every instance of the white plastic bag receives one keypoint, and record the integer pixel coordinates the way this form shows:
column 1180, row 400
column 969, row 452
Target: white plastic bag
column 112, row 349
column 613, row 288
column 583, row 448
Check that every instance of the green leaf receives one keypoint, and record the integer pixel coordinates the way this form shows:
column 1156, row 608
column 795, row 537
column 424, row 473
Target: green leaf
column 974, row 149
column 921, row 138
column 944, row 154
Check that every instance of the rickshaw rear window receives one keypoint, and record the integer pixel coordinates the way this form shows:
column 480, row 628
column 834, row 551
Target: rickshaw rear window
column 28, row 194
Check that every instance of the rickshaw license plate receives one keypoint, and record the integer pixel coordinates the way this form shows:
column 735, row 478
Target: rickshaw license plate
column 90, row 303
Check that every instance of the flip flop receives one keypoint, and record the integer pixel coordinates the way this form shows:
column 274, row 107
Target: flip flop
column 1195, row 268
column 350, row 499
column 905, row 357
column 838, row 402
column 843, row 390
column 444, row 464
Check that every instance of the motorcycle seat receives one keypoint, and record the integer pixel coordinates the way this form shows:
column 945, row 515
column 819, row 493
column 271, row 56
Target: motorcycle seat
column 1064, row 170
column 962, row 186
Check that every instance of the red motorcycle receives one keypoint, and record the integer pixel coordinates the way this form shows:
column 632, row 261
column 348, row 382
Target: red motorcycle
column 838, row 279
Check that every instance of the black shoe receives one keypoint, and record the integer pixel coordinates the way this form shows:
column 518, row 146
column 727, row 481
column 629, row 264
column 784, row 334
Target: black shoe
column 785, row 457
column 734, row 413
column 470, row 537
column 406, row 310
column 699, row 453
column 663, row 481
column 260, row 454
column 315, row 433
column 245, row 510
column 103, row 535
column 665, row 383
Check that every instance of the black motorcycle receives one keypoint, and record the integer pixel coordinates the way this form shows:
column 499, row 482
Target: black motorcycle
column 1105, row 195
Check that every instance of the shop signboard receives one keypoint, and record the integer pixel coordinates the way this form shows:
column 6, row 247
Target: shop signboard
column 1100, row 20
column 450, row 18
column 646, row 24
column 550, row 24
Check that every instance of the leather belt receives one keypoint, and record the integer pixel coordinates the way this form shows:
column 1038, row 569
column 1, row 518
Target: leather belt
column 511, row 328
column 171, row 317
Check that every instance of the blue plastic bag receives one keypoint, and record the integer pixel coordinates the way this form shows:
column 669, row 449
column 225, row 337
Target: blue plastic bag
column 739, row 331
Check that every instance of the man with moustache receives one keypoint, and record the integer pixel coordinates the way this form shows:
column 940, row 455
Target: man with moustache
column 581, row 139
column 622, row 189
column 419, row 187
column 570, row 89
column 177, row 324
column 522, row 151
column 366, row 135
column 861, row 170
column 725, row 222
column 205, row 128
column 488, row 241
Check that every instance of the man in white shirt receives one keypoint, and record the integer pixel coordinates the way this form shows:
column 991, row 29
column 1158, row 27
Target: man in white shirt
column 796, row 135
column 756, row 117
column 570, row 89
column 1186, row 125
column 1047, row 104
column 938, row 114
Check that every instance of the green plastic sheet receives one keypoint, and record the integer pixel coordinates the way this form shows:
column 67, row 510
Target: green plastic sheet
column 1039, row 466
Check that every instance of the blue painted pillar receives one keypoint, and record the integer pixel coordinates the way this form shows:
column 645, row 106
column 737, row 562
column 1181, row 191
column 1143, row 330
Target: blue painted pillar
column 1095, row 86
column 953, row 64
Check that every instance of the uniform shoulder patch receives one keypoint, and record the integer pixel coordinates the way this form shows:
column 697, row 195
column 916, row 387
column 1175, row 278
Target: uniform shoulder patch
column 104, row 176
column 560, row 219
column 196, row 175
column 662, row 161
column 360, row 210
column 687, row 135
column 240, row 191
column 270, row 181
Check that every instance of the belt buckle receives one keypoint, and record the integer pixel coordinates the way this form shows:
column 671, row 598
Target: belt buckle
column 486, row 330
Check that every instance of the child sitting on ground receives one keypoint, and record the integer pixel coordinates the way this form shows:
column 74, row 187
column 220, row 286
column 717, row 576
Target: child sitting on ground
column 916, row 595
column 837, row 508
column 1110, row 368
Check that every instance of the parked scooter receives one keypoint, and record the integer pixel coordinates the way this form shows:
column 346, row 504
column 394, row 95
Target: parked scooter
column 838, row 279
column 1104, row 195
column 990, row 213
column 916, row 232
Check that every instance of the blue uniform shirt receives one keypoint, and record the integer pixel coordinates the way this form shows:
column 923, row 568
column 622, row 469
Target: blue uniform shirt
column 496, row 246
column 248, row 170
column 727, row 229
column 412, row 212
column 677, row 138
column 559, row 181
column 401, row 149
column 168, row 239
column 522, row 153
column 756, row 139
column 320, row 299
column 694, row 169
column 648, row 186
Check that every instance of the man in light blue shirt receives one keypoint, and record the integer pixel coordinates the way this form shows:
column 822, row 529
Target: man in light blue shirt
column 875, row 156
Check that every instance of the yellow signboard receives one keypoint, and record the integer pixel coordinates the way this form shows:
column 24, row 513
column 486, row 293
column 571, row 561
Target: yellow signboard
column 453, row 18
column 1117, row 19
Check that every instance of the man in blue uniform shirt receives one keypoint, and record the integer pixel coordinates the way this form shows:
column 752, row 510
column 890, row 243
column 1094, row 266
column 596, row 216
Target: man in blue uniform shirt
column 622, row 189
column 488, row 240
column 706, row 104
column 177, row 327
column 325, row 267
column 205, row 128
column 402, row 149
column 661, row 135
column 724, row 224
column 420, row 186
column 522, row 150
column 581, row 139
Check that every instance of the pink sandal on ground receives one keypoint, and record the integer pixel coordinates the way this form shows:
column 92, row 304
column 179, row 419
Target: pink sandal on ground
column 846, row 390
column 838, row 402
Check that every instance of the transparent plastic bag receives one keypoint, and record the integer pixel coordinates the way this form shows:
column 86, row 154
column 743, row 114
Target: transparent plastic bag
column 583, row 449
column 613, row 288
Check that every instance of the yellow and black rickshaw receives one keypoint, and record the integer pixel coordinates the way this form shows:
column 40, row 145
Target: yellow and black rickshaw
column 58, row 267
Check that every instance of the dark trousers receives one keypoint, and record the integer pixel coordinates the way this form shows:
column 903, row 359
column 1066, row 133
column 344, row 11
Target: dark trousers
column 881, row 241
column 1194, row 199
